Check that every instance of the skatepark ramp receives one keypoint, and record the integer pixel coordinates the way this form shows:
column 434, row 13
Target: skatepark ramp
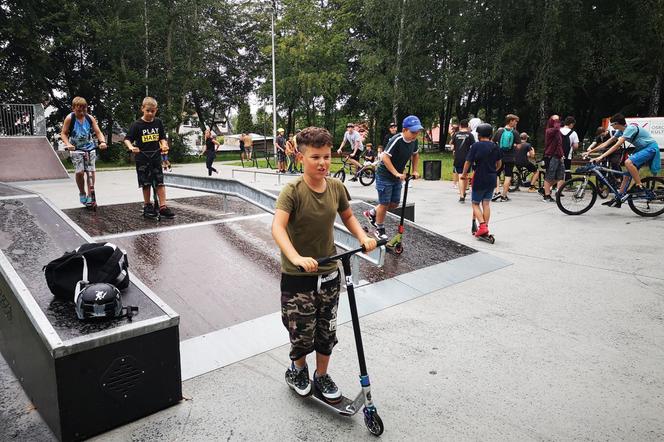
column 29, row 158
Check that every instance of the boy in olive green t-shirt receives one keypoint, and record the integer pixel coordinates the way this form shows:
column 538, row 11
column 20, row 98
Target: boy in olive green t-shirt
column 303, row 228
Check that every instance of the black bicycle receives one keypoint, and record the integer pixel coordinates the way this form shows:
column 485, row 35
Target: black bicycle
column 366, row 174
column 579, row 194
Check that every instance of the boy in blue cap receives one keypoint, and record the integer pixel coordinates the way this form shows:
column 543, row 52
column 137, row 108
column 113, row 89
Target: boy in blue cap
column 389, row 174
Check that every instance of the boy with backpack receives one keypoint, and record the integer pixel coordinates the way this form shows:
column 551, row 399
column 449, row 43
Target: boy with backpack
column 146, row 138
column 303, row 229
column 76, row 133
column 485, row 159
column 508, row 139
column 570, row 143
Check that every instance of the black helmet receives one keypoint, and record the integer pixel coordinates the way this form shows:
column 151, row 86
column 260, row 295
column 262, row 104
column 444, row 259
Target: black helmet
column 484, row 130
column 99, row 300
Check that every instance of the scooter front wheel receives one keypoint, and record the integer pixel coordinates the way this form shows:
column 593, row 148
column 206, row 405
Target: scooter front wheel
column 398, row 248
column 373, row 422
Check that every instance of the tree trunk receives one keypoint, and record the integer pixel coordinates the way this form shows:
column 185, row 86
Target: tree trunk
column 655, row 96
column 199, row 111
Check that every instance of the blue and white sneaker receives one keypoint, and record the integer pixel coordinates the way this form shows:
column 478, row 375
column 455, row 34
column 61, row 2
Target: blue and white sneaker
column 327, row 388
column 298, row 380
column 83, row 198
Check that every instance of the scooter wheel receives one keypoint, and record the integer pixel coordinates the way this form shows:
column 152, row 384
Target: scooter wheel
column 492, row 239
column 373, row 422
column 398, row 249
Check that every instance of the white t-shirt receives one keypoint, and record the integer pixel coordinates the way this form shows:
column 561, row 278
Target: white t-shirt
column 573, row 139
column 352, row 139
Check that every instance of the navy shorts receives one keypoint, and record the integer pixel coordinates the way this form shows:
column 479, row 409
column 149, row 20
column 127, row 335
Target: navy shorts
column 389, row 191
column 479, row 195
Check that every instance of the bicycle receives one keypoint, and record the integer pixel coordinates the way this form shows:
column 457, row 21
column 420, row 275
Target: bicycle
column 578, row 195
column 366, row 174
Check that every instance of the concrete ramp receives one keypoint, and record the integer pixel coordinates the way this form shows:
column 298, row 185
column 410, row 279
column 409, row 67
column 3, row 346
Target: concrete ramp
column 29, row 158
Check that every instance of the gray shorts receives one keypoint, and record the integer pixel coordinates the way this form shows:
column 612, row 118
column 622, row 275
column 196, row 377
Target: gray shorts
column 555, row 170
column 84, row 160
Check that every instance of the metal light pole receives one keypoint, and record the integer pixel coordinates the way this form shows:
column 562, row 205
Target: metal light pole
column 274, row 85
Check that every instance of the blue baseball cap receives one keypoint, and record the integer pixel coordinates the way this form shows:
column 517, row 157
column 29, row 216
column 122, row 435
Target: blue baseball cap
column 412, row 123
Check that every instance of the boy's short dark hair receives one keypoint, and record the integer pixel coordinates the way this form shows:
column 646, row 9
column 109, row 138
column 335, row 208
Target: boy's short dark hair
column 463, row 123
column 619, row 118
column 570, row 120
column 600, row 130
column 315, row 137
column 510, row 117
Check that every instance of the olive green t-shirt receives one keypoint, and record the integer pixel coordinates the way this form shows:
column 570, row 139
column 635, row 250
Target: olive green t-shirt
column 311, row 222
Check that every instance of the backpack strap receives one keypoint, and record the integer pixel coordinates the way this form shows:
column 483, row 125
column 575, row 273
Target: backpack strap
column 111, row 263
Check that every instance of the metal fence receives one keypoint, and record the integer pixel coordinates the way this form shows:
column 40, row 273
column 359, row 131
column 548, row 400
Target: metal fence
column 18, row 120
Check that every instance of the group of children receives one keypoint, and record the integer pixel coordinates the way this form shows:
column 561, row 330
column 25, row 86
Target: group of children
column 146, row 138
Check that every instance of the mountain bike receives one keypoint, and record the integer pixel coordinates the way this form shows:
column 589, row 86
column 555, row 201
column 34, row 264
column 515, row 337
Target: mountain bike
column 578, row 195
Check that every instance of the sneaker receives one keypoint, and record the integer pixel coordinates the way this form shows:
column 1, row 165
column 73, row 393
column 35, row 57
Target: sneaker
column 380, row 234
column 327, row 388
column 483, row 230
column 462, row 199
column 83, row 199
column 298, row 380
column 165, row 212
column 149, row 212
column 547, row 199
column 532, row 189
column 610, row 202
column 371, row 217
column 505, row 198
column 496, row 197
column 88, row 200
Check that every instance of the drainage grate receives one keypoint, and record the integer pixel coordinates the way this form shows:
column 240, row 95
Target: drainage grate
column 122, row 377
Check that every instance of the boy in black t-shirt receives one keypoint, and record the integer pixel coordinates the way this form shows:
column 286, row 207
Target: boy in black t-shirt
column 485, row 157
column 461, row 142
column 147, row 139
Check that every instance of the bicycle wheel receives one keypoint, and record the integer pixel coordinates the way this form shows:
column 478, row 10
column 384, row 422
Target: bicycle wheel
column 367, row 177
column 649, row 205
column 579, row 195
column 340, row 175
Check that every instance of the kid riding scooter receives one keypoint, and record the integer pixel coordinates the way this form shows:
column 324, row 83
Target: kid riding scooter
column 92, row 205
column 395, row 245
column 346, row 406
column 153, row 182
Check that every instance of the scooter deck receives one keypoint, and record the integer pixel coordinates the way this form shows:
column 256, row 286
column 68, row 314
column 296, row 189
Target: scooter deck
column 488, row 238
column 344, row 407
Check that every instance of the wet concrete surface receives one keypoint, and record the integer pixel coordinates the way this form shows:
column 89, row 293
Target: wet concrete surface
column 118, row 218
column 421, row 248
column 214, row 276
column 6, row 190
column 219, row 275
column 19, row 419
column 31, row 235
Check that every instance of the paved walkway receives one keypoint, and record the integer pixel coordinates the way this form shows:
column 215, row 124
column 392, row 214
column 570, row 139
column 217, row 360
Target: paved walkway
column 566, row 343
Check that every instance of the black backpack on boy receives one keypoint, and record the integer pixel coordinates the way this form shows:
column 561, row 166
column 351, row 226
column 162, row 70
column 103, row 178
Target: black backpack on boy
column 92, row 262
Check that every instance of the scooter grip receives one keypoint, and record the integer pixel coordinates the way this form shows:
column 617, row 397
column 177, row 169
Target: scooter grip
column 382, row 242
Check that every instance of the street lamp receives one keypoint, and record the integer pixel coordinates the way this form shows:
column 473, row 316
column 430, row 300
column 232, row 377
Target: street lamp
column 274, row 85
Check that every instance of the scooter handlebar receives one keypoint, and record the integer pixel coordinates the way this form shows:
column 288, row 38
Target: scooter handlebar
column 328, row 259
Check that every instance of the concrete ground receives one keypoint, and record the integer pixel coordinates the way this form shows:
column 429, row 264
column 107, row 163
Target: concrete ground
column 566, row 343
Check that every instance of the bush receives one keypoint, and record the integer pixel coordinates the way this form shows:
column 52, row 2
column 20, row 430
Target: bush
column 116, row 153
column 177, row 149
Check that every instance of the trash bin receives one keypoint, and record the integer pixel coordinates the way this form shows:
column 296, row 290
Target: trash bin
column 432, row 169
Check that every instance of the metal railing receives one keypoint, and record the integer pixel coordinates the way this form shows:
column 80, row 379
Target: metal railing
column 20, row 120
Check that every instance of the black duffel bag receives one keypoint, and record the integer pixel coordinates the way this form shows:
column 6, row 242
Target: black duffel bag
column 92, row 263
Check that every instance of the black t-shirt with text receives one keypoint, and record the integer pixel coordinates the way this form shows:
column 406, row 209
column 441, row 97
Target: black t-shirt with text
column 462, row 142
column 146, row 135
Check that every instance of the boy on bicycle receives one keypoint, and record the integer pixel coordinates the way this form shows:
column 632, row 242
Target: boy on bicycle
column 354, row 139
column 146, row 138
column 77, row 135
column 303, row 230
column 647, row 150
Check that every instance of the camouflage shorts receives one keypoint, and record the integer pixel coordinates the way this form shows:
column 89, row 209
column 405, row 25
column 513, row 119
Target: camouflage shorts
column 310, row 315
